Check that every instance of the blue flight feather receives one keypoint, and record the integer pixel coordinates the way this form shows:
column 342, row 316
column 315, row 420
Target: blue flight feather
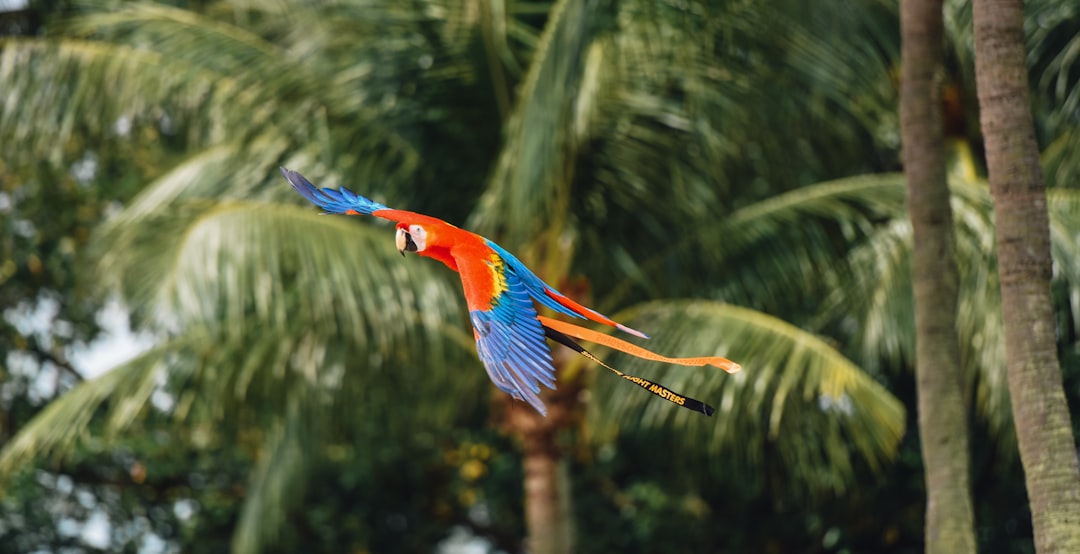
column 331, row 201
column 537, row 289
column 510, row 342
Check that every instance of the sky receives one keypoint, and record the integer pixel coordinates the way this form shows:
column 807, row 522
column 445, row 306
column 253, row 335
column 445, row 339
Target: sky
column 41, row 319
column 117, row 343
column 12, row 5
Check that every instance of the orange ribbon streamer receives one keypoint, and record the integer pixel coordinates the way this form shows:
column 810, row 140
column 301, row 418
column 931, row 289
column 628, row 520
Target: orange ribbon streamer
column 609, row 341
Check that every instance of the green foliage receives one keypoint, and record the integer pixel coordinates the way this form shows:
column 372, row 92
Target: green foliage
column 153, row 483
column 881, row 298
column 797, row 398
column 323, row 394
column 1053, row 43
column 262, row 86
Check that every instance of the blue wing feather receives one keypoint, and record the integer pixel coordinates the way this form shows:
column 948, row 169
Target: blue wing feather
column 532, row 284
column 511, row 344
column 538, row 289
column 331, row 201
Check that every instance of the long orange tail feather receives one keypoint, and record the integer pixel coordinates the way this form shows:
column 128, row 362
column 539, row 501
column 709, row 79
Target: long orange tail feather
column 589, row 313
column 609, row 341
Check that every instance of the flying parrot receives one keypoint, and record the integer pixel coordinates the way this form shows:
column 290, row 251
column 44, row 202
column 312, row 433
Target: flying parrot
column 500, row 293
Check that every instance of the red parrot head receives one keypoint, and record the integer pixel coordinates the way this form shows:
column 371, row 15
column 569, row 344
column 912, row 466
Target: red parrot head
column 410, row 238
column 431, row 238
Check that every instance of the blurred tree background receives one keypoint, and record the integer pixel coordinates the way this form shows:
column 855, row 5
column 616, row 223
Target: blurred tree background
column 721, row 174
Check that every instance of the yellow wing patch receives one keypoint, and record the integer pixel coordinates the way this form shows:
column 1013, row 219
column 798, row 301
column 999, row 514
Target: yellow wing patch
column 498, row 275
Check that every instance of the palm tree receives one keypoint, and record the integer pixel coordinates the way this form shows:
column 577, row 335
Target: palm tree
column 248, row 321
column 277, row 358
column 943, row 428
column 1043, row 426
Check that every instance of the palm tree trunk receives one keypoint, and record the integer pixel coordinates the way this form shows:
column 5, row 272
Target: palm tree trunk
column 547, row 494
column 1043, row 429
column 943, row 425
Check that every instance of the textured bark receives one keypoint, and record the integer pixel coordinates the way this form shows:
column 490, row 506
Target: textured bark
column 547, row 498
column 1044, row 432
column 943, row 425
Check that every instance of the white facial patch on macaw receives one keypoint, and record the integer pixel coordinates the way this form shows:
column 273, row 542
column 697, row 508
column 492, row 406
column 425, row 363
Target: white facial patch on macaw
column 419, row 237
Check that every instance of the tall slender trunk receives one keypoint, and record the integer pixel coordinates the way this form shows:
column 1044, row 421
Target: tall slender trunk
column 1043, row 429
column 547, row 494
column 943, row 425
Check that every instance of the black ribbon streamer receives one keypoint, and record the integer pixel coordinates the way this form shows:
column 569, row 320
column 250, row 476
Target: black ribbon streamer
column 651, row 386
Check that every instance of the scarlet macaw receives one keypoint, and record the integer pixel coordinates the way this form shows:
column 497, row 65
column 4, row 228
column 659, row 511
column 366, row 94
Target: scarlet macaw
column 499, row 293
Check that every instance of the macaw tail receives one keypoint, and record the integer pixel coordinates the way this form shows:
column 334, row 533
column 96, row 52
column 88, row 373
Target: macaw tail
column 343, row 201
column 589, row 313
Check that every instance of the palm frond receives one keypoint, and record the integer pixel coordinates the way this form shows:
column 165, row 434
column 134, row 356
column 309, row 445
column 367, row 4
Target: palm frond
column 262, row 301
column 86, row 85
column 854, row 202
column 533, row 171
column 1053, row 45
column 282, row 270
column 250, row 83
column 1054, row 54
column 65, row 421
column 780, row 250
column 878, row 308
column 185, row 33
column 1064, row 207
column 880, row 294
column 682, row 102
column 276, row 481
column 856, row 82
column 796, row 396
column 198, row 260
column 1059, row 159
column 802, row 231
